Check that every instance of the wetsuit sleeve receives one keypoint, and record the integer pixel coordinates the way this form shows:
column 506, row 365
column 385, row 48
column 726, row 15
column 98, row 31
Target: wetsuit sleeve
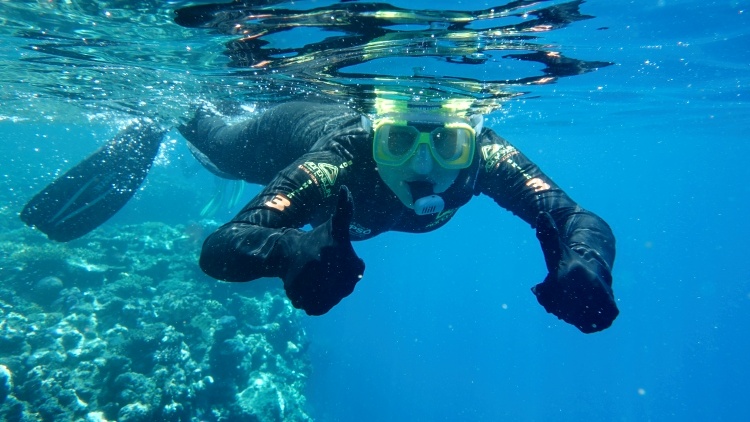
column 518, row 185
column 260, row 240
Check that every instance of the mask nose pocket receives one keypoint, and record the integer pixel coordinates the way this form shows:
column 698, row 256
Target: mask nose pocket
column 421, row 162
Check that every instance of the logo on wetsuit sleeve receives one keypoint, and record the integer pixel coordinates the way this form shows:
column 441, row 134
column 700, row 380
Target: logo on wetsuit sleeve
column 279, row 202
column 323, row 174
column 442, row 217
column 537, row 184
column 358, row 231
column 495, row 153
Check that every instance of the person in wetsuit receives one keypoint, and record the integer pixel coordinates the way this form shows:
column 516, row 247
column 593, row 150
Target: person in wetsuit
column 350, row 178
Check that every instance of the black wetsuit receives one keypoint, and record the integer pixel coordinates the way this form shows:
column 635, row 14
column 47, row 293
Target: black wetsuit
column 303, row 152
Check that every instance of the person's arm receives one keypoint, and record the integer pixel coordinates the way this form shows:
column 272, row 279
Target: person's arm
column 578, row 246
column 318, row 267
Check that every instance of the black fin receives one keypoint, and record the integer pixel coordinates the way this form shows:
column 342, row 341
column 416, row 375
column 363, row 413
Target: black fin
column 94, row 190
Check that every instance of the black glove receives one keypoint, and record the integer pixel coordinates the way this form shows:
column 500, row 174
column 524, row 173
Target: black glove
column 576, row 290
column 324, row 268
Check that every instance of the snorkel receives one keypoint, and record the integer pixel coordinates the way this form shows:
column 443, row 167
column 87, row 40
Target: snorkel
column 428, row 202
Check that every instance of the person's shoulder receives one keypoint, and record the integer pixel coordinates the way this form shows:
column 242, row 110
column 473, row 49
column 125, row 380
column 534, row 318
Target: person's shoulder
column 493, row 149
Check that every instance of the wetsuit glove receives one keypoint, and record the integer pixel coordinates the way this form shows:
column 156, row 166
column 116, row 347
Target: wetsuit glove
column 576, row 290
column 324, row 269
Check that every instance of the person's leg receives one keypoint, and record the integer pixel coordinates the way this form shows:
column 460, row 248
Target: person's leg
column 257, row 149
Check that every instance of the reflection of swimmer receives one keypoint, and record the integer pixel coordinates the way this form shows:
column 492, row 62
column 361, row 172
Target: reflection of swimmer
column 351, row 179
column 474, row 58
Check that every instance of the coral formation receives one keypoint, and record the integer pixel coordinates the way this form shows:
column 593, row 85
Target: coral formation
column 122, row 325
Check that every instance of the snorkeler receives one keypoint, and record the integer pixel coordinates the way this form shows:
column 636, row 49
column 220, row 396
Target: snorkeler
column 351, row 178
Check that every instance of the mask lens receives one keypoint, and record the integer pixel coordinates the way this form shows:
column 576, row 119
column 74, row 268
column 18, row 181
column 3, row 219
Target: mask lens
column 394, row 143
column 400, row 140
column 448, row 143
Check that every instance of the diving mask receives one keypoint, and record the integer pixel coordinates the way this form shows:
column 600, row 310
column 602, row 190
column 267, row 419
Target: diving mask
column 451, row 143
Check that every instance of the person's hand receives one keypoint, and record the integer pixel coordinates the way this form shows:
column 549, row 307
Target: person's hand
column 325, row 269
column 575, row 290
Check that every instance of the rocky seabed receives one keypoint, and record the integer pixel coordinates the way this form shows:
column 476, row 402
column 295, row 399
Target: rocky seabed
column 121, row 325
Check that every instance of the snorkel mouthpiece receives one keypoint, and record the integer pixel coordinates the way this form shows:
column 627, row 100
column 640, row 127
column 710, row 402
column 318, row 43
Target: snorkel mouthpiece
column 428, row 202
column 429, row 205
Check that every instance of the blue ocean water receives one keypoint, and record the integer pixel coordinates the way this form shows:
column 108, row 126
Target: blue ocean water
column 444, row 327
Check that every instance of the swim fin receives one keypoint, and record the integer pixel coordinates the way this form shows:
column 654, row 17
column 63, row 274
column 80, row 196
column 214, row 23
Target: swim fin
column 94, row 190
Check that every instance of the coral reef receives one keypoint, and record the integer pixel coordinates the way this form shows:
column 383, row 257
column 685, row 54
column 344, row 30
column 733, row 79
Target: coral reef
column 122, row 325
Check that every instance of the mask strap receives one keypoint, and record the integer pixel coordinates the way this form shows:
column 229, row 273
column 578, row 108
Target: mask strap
column 477, row 122
column 366, row 123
